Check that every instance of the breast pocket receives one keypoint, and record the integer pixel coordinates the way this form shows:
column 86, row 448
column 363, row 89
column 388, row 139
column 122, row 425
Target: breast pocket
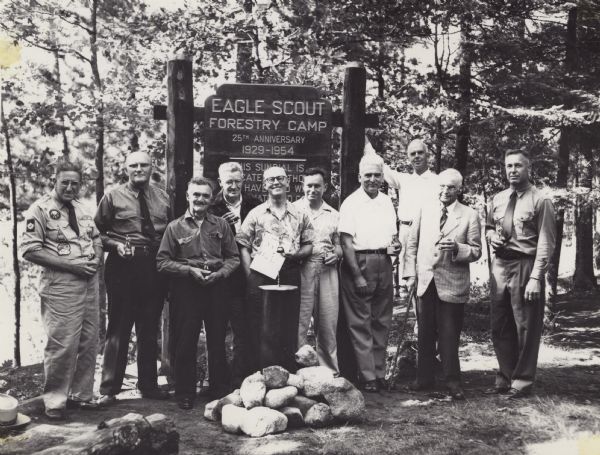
column 58, row 231
column 213, row 243
column 127, row 220
column 525, row 224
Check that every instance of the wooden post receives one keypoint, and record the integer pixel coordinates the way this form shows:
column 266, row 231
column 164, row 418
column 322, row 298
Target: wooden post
column 180, row 158
column 353, row 142
column 353, row 133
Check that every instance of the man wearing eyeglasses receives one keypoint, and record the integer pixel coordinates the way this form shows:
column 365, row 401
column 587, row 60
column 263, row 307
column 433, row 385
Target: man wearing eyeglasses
column 275, row 220
column 233, row 205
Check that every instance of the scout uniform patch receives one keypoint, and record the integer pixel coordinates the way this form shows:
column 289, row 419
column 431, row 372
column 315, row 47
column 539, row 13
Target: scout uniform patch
column 63, row 249
column 30, row 225
column 54, row 214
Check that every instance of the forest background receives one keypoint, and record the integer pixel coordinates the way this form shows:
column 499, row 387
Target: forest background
column 471, row 77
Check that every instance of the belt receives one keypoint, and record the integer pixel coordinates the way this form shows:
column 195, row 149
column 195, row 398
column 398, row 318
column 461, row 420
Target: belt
column 379, row 251
column 143, row 251
column 511, row 254
column 406, row 223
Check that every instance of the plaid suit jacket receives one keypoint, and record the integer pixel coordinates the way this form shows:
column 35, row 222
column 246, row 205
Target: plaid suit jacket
column 450, row 271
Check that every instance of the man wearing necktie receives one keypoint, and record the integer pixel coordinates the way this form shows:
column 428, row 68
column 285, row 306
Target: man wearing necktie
column 132, row 219
column 521, row 229
column 60, row 235
column 439, row 255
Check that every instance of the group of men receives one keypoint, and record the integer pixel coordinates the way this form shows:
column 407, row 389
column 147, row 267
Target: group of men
column 205, row 261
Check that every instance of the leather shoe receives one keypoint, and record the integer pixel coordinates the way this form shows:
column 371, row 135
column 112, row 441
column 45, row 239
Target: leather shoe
column 83, row 405
column 496, row 390
column 370, row 386
column 55, row 414
column 186, row 403
column 515, row 394
column 155, row 394
column 106, row 400
column 456, row 393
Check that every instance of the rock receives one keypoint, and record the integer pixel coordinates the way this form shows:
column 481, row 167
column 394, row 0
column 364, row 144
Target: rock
column 319, row 416
column 302, row 403
column 317, row 380
column 211, row 412
column 233, row 398
column 295, row 381
column 341, row 384
column 306, row 356
column 346, row 404
column 294, row 416
column 276, row 398
column 275, row 376
column 232, row 417
column 3, row 384
column 253, row 390
column 260, row 421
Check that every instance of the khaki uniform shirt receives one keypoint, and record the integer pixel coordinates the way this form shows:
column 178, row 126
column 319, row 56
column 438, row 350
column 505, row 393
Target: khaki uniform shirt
column 187, row 243
column 119, row 215
column 47, row 227
column 534, row 231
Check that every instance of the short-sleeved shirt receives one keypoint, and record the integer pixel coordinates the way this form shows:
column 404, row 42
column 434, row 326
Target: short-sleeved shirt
column 294, row 228
column 119, row 215
column 415, row 190
column 325, row 224
column 370, row 222
column 47, row 227
column 534, row 225
column 187, row 242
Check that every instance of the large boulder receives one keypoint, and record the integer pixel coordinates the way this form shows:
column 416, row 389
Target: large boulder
column 253, row 390
column 275, row 376
column 211, row 412
column 319, row 416
column 232, row 417
column 302, row 403
column 317, row 380
column 306, row 356
column 295, row 381
column 233, row 398
column 346, row 405
column 261, row 421
column 276, row 398
column 294, row 416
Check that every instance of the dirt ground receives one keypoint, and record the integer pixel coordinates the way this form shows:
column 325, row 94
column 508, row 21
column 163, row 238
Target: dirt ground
column 562, row 418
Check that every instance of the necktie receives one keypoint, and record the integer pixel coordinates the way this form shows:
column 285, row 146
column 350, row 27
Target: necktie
column 147, row 226
column 443, row 218
column 507, row 222
column 72, row 218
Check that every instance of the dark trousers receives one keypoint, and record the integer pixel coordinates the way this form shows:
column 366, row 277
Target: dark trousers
column 135, row 296
column 516, row 323
column 192, row 305
column 439, row 322
column 238, row 319
column 286, row 309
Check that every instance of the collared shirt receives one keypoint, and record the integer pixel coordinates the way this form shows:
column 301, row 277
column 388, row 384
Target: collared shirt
column 47, row 227
column 370, row 222
column 119, row 215
column 534, row 231
column 293, row 229
column 415, row 190
column 187, row 243
column 325, row 222
column 237, row 210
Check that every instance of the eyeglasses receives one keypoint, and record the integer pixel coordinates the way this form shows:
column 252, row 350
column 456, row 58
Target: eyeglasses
column 279, row 178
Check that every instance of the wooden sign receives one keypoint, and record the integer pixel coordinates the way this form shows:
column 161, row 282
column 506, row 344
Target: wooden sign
column 261, row 126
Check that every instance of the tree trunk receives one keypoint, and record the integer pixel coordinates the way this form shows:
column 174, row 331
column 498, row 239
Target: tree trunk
column 584, row 278
column 463, row 125
column 60, row 104
column 12, row 186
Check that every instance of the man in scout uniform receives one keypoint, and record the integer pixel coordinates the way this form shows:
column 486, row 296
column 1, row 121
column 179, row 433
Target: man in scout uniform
column 276, row 221
column 60, row 235
column 522, row 230
column 319, row 288
column 199, row 252
column 131, row 220
column 367, row 228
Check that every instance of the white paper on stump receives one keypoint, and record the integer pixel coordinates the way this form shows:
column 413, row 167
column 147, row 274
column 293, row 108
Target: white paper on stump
column 267, row 260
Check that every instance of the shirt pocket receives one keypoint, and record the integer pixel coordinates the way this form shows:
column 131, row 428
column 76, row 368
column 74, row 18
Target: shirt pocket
column 214, row 240
column 525, row 224
column 126, row 220
column 58, row 231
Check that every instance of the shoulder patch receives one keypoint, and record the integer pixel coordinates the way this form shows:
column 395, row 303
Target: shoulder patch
column 30, row 225
column 54, row 214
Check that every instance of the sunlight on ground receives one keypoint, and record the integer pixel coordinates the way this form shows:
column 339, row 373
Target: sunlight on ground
column 268, row 446
column 585, row 444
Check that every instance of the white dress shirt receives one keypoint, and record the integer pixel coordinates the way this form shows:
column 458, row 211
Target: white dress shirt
column 415, row 190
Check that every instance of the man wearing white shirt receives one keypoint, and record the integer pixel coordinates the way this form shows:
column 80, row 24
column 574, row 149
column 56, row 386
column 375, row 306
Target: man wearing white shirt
column 367, row 227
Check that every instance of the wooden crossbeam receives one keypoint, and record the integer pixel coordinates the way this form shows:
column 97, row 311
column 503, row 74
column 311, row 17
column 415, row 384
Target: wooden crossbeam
column 337, row 117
